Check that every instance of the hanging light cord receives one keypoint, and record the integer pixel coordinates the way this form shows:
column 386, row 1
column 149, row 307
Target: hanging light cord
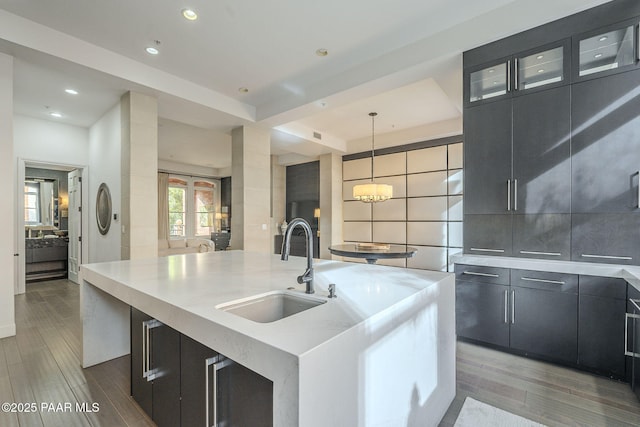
column 373, row 119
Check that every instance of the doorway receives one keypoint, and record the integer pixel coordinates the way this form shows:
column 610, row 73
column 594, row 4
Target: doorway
column 65, row 213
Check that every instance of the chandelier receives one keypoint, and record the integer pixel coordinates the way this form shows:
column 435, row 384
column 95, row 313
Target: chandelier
column 372, row 192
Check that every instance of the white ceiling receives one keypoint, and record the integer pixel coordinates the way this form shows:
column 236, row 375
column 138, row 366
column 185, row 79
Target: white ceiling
column 401, row 59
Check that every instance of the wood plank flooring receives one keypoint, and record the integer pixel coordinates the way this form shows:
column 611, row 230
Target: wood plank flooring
column 539, row 391
column 41, row 364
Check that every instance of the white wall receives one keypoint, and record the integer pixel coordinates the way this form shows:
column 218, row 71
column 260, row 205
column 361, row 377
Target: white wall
column 104, row 158
column 50, row 142
column 8, row 262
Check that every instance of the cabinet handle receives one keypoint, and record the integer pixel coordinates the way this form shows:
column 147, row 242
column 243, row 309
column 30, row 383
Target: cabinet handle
column 639, row 170
column 506, row 305
column 508, row 195
column 515, row 194
column 554, row 282
column 606, row 256
column 628, row 316
column 515, row 74
column 486, row 250
column 218, row 362
column 509, row 76
column 147, row 325
column 473, row 273
column 513, row 307
column 541, row 253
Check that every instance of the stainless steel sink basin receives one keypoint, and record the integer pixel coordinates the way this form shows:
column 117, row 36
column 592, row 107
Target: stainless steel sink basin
column 271, row 306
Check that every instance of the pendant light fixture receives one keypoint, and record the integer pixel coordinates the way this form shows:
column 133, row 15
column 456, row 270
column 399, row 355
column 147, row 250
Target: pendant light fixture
column 371, row 193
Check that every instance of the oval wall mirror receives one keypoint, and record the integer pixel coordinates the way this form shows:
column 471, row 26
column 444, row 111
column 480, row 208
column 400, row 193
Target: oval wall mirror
column 103, row 208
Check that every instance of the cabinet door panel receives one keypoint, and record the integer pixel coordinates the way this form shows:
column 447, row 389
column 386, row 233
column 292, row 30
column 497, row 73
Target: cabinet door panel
column 193, row 381
column 542, row 152
column 605, row 138
column 141, row 389
column 601, row 335
column 487, row 151
column 606, row 238
column 545, row 323
column 487, row 234
column 544, row 236
column 165, row 359
column 481, row 312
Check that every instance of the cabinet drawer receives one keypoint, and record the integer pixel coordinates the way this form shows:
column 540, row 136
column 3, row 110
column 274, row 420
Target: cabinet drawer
column 558, row 282
column 606, row 287
column 476, row 273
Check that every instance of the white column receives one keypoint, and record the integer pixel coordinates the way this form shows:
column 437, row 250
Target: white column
column 8, row 263
column 139, row 176
column 250, row 189
column 330, row 203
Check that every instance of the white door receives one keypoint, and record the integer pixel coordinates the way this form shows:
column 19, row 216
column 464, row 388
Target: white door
column 75, row 223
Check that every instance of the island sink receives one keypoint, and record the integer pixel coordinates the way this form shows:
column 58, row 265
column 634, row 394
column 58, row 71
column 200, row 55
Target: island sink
column 271, row 306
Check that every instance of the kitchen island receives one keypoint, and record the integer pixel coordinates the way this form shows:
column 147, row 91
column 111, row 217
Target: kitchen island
column 381, row 353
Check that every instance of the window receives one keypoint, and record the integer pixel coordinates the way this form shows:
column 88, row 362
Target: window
column 192, row 206
column 31, row 205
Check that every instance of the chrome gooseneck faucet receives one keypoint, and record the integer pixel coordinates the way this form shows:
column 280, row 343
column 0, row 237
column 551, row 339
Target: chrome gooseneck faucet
column 307, row 276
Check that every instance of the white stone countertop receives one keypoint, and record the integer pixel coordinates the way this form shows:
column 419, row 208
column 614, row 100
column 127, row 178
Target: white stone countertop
column 347, row 340
column 198, row 283
column 629, row 273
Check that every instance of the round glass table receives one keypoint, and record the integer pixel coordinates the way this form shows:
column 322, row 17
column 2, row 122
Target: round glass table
column 373, row 253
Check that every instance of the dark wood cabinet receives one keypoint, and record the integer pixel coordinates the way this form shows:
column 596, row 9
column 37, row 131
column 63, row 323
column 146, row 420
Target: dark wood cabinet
column 155, row 368
column 172, row 376
column 542, row 152
column 605, row 137
column 487, row 152
column 530, row 312
column 546, row 236
column 544, row 314
column 606, row 238
column 481, row 304
column 487, row 234
column 601, row 325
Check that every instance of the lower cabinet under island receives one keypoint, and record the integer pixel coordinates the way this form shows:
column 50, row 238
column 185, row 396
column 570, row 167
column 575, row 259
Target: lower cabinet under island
column 179, row 382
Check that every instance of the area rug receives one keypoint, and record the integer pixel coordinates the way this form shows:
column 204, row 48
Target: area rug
column 478, row 414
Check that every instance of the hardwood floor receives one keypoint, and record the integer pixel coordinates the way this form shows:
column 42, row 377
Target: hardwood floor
column 41, row 364
column 539, row 391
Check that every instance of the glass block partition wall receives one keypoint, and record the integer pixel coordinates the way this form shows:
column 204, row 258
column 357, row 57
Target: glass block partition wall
column 426, row 209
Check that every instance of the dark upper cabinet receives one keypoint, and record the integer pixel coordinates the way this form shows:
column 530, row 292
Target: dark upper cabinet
column 487, row 151
column 605, row 139
column 487, row 234
column 529, row 71
column 601, row 326
column 607, row 50
column 606, row 238
column 542, row 152
column 545, row 236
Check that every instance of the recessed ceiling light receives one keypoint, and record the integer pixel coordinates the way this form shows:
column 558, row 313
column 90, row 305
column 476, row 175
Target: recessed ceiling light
column 189, row 14
column 55, row 114
column 603, row 38
column 243, row 90
column 152, row 50
column 491, row 70
column 541, row 70
column 71, row 91
column 495, row 83
column 322, row 52
column 597, row 55
column 539, row 56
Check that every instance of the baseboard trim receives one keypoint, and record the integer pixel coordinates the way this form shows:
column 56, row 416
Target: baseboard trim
column 7, row 330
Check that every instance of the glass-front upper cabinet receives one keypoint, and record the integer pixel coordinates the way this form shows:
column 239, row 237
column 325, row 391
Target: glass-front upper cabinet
column 534, row 69
column 489, row 82
column 540, row 68
column 608, row 50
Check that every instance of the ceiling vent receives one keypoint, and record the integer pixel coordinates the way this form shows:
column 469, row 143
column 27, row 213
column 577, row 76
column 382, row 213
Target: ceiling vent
column 317, row 135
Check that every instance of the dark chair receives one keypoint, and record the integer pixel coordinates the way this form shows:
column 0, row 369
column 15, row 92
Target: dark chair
column 221, row 240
